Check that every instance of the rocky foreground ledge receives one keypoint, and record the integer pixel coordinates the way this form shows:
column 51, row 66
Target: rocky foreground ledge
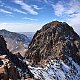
column 12, row 67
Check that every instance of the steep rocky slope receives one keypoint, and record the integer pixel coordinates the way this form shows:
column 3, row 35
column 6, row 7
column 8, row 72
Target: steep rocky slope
column 58, row 70
column 54, row 52
column 56, row 40
column 11, row 66
column 15, row 42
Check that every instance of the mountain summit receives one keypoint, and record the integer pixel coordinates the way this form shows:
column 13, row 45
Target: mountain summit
column 55, row 40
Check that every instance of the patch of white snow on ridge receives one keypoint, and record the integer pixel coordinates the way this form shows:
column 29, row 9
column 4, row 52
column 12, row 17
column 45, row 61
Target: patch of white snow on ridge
column 57, row 70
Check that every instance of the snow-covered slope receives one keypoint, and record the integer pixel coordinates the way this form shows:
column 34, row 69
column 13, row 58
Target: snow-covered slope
column 58, row 70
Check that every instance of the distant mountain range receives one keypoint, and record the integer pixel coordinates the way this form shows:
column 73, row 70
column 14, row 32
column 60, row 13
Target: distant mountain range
column 16, row 42
column 28, row 34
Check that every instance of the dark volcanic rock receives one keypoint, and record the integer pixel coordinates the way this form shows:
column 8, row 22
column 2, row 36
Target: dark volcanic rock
column 56, row 40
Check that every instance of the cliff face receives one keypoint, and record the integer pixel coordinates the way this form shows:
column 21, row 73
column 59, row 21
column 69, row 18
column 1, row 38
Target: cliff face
column 12, row 66
column 56, row 40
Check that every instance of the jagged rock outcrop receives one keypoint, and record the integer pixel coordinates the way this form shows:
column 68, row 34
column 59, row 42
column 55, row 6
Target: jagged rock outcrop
column 12, row 66
column 56, row 40
column 7, row 69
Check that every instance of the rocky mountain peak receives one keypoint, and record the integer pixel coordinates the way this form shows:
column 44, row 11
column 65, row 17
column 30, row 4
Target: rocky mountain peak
column 55, row 40
column 51, row 24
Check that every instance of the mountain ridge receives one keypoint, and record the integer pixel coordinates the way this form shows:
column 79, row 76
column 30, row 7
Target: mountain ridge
column 55, row 51
column 54, row 40
column 16, row 42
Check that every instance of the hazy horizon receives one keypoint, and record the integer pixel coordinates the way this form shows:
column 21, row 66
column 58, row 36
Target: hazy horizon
column 15, row 31
column 31, row 15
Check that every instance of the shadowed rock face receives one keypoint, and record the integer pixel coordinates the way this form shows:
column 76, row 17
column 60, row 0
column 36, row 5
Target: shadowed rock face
column 7, row 69
column 10, row 63
column 55, row 40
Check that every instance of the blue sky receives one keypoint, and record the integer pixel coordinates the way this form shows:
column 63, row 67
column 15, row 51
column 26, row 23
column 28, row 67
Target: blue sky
column 30, row 15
